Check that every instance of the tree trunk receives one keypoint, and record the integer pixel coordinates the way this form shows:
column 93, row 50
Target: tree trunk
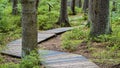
column 63, row 19
column 114, row 6
column 29, row 26
column 99, row 17
column 80, row 3
column 73, row 7
column 37, row 4
column 15, row 7
column 85, row 5
column 9, row 0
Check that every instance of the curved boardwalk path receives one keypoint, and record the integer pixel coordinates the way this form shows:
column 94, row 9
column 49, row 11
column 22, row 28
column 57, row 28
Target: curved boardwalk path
column 52, row 59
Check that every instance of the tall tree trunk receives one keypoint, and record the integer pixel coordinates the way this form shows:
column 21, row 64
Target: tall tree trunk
column 37, row 4
column 80, row 3
column 114, row 6
column 73, row 7
column 29, row 26
column 99, row 17
column 63, row 19
column 9, row 0
column 14, row 7
column 85, row 5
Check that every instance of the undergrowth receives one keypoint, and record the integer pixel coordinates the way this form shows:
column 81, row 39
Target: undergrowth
column 71, row 39
column 104, row 48
column 29, row 61
column 9, row 24
column 47, row 19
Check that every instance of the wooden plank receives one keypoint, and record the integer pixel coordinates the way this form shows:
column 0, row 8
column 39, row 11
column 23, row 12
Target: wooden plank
column 13, row 50
column 55, row 59
column 58, row 30
column 14, row 47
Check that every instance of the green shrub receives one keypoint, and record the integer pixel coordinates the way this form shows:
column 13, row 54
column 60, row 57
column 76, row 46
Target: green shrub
column 115, row 16
column 78, row 20
column 9, row 24
column 71, row 39
column 112, row 39
column 78, row 33
column 30, row 61
column 9, row 65
column 1, row 58
column 69, row 10
column 9, row 28
column 48, row 20
column 70, row 45
column 111, row 54
column 78, row 10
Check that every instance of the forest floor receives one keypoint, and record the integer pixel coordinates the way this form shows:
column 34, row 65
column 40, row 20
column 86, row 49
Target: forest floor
column 55, row 44
column 9, row 59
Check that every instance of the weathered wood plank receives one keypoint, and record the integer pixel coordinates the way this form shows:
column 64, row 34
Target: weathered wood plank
column 58, row 30
column 55, row 59
column 14, row 47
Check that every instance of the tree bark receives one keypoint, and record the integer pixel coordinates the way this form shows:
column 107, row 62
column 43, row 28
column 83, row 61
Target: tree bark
column 15, row 7
column 85, row 5
column 10, row 1
column 63, row 19
column 114, row 6
column 80, row 3
column 73, row 7
column 99, row 17
column 37, row 4
column 29, row 26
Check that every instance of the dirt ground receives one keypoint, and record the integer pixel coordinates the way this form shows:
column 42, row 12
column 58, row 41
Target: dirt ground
column 55, row 44
column 9, row 59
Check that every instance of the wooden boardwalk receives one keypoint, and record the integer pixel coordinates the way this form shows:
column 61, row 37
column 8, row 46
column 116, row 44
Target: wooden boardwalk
column 52, row 59
column 55, row 59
